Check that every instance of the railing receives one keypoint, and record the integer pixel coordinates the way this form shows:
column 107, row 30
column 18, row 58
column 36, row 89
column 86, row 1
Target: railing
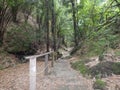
column 32, row 67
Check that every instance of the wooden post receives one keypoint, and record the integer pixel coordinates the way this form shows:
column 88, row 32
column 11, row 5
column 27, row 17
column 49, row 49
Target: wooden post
column 55, row 55
column 32, row 67
column 52, row 63
column 46, row 64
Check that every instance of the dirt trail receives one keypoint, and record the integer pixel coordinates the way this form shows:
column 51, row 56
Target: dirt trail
column 65, row 78
column 61, row 77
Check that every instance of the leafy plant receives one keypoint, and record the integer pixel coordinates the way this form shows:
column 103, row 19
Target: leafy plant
column 20, row 39
column 117, row 53
column 99, row 84
column 104, row 69
column 80, row 66
column 1, row 67
column 116, row 68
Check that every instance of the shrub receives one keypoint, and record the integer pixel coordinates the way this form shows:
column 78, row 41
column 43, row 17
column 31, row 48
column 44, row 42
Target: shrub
column 20, row 39
column 116, row 68
column 94, row 47
column 80, row 66
column 104, row 69
column 117, row 53
column 99, row 84
column 101, row 57
column 1, row 67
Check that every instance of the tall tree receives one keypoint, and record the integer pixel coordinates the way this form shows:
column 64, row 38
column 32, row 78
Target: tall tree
column 47, row 25
column 74, row 22
column 53, row 25
column 5, row 17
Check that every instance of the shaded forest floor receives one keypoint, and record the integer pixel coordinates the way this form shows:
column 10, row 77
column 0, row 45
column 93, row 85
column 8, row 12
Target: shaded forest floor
column 112, row 82
column 61, row 77
column 17, row 78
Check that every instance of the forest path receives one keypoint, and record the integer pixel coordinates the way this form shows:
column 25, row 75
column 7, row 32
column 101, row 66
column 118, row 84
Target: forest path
column 65, row 78
column 61, row 77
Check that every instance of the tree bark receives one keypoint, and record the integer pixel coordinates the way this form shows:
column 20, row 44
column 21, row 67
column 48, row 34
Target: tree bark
column 74, row 22
column 47, row 25
column 14, row 12
column 53, row 26
column 5, row 13
column 1, row 39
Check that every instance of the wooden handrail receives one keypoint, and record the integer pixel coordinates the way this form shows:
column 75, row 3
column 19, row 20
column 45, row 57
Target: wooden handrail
column 32, row 67
column 36, row 56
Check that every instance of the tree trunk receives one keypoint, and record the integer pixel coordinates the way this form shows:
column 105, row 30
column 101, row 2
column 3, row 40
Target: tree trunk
column 14, row 12
column 53, row 26
column 1, row 38
column 74, row 22
column 47, row 25
column 5, row 13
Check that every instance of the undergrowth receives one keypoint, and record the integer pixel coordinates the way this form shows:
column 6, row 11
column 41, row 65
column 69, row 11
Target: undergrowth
column 117, row 52
column 80, row 66
column 116, row 68
column 100, row 70
column 99, row 84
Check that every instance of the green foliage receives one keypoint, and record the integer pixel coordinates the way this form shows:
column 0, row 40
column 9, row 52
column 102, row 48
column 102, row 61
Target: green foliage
column 98, row 25
column 116, row 68
column 115, row 42
column 80, row 66
column 14, row 2
column 93, row 47
column 104, row 69
column 117, row 52
column 1, row 67
column 20, row 39
column 6, row 59
column 101, row 57
column 99, row 84
column 100, row 70
column 99, row 42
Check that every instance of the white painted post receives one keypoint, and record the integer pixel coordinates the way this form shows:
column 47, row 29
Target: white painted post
column 46, row 64
column 32, row 67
